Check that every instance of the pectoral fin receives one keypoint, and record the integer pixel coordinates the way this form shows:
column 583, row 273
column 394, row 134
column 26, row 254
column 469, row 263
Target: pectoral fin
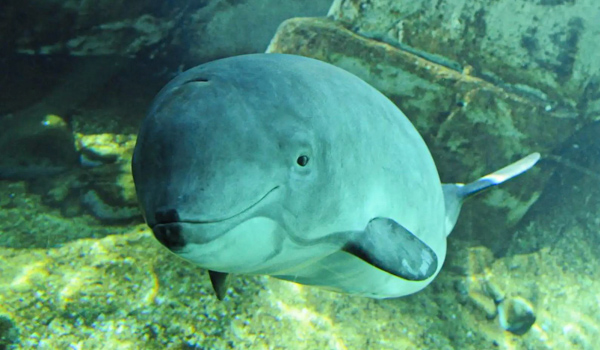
column 390, row 247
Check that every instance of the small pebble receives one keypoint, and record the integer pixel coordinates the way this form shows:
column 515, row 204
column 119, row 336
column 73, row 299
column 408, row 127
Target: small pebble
column 516, row 315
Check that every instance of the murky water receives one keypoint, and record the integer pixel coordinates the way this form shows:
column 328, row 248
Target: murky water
column 484, row 84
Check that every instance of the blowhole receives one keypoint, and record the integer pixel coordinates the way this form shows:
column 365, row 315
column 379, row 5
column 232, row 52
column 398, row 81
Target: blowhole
column 196, row 80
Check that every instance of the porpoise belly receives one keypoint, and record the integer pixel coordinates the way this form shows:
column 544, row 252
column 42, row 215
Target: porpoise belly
column 258, row 245
column 345, row 273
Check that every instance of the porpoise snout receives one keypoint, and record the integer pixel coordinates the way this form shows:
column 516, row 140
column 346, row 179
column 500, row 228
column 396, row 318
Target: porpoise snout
column 169, row 235
column 166, row 216
column 167, row 228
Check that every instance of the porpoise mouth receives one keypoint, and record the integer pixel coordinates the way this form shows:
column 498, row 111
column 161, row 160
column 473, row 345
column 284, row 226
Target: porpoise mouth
column 170, row 216
column 169, row 228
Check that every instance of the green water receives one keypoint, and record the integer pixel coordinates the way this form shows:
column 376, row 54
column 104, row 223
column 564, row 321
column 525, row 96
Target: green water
column 80, row 270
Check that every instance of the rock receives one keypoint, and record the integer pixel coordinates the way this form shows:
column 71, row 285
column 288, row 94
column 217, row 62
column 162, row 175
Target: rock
column 478, row 286
column 471, row 126
column 227, row 28
column 516, row 315
column 102, row 185
column 484, row 303
column 106, row 212
column 35, row 145
column 177, row 30
column 38, row 140
column 103, row 148
column 109, row 193
column 544, row 49
column 127, row 37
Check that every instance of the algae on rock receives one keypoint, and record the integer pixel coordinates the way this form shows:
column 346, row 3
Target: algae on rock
column 546, row 50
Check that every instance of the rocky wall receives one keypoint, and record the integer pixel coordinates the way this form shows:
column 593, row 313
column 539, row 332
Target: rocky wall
column 180, row 30
column 545, row 49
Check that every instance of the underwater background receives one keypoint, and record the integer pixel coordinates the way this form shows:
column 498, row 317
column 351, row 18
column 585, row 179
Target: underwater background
column 484, row 82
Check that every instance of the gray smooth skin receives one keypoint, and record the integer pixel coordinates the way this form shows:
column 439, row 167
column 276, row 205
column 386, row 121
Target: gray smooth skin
column 287, row 166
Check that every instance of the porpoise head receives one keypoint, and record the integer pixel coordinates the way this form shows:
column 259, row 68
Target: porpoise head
column 223, row 180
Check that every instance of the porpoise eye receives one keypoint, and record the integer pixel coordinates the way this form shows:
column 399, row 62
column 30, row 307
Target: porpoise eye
column 302, row 160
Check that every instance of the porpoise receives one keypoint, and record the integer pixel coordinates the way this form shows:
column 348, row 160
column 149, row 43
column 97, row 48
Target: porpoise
column 291, row 167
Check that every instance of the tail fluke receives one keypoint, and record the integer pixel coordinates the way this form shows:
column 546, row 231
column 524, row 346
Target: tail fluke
column 455, row 194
